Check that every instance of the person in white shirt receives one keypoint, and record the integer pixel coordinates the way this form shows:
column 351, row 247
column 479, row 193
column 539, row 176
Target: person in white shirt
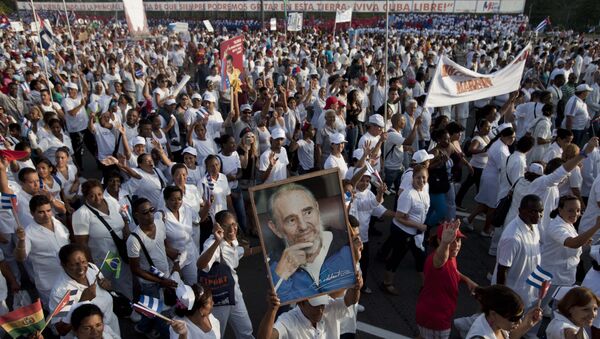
column 592, row 281
column 375, row 137
column 336, row 159
column 195, row 311
column 563, row 137
column 576, row 312
column 40, row 243
column 317, row 317
column 541, row 131
column 77, row 121
column 273, row 162
column 305, row 148
column 147, row 180
column 577, row 116
column 224, row 239
column 393, row 150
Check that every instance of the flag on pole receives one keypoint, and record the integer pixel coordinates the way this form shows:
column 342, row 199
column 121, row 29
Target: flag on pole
column 540, row 27
column 538, row 277
column 4, row 22
column 343, row 15
column 64, row 306
column 8, row 201
column 24, row 321
column 151, row 303
column 113, row 262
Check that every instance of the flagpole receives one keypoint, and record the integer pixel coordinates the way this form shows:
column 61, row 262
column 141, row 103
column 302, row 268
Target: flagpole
column 39, row 27
column 72, row 41
column 385, row 64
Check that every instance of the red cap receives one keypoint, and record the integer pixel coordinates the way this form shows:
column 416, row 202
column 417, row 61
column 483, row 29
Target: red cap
column 440, row 229
column 333, row 100
column 412, row 81
column 364, row 79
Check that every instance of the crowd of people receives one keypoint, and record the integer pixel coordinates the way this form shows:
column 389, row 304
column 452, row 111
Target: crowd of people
column 118, row 159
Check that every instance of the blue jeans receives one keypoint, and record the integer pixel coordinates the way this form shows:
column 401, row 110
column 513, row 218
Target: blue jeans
column 393, row 177
column 578, row 135
column 238, row 204
column 438, row 210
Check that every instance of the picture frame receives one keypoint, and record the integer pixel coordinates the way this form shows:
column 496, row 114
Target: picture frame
column 304, row 234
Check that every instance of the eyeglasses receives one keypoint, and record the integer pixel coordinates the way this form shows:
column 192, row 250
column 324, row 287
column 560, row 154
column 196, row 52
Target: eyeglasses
column 515, row 318
column 148, row 211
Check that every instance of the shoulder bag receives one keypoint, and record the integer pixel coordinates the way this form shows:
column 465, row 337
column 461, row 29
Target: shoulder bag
column 220, row 281
column 119, row 243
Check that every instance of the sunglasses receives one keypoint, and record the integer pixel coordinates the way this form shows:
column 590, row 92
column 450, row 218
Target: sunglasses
column 515, row 318
column 148, row 211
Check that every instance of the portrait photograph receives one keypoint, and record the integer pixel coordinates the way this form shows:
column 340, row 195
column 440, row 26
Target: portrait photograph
column 304, row 235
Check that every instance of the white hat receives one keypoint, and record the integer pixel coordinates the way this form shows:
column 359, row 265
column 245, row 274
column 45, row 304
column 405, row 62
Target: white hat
column 376, row 119
column 421, row 156
column 503, row 127
column 71, row 85
column 583, row 88
column 337, row 138
column 246, row 107
column 139, row 141
column 190, row 150
column 536, row 168
column 595, row 253
column 321, row 300
column 209, row 97
column 170, row 102
column 358, row 153
column 185, row 294
column 278, row 133
column 196, row 96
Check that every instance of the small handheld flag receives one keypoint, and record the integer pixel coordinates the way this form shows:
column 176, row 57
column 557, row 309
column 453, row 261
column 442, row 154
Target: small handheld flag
column 23, row 321
column 151, row 303
column 540, row 27
column 6, row 201
column 149, row 312
column 113, row 262
column 63, row 308
column 538, row 277
column 156, row 272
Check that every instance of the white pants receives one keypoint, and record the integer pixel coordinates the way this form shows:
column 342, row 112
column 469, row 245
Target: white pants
column 237, row 314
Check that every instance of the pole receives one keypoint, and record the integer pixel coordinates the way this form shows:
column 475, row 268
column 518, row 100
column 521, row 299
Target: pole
column 385, row 63
column 72, row 39
column 262, row 13
column 285, row 18
column 39, row 26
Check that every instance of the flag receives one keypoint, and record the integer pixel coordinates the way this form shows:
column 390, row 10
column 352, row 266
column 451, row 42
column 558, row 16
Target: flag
column 9, row 201
column 11, row 155
column 24, row 321
column 343, row 15
column 47, row 39
column 113, row 262
column 540, row 27
column 453, row 84
column 538, row 277
column 64, row 306
column 4, row 22
column 151, row 303
column 155, row 271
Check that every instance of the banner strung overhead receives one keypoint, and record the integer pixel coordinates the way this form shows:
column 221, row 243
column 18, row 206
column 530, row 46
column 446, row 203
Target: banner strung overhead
column 395, row 6
column 453, row 84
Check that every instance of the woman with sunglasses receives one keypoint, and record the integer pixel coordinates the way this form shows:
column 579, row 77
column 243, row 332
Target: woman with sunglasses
column 503, row 314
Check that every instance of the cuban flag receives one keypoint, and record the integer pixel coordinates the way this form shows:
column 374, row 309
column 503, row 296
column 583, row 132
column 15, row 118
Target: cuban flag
column 538, row 277
column 8, row 201
column 540, row 27
column 151, row 303
column 4, row 22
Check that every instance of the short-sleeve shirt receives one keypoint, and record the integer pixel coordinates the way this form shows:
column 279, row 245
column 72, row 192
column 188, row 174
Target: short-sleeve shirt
column 230, row 165
column 196, row 332
column 232, row 253
column 557, row 258
column 293, row 324
column 336, row 162
column 306, row 154
column 78, row 122
column 415, row 204
column 279, row 171
column 155, row 247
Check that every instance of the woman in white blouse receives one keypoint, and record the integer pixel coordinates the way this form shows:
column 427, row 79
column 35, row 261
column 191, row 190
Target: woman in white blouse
column 572, row 185
column 498, row 152
column 179, row 221
column 503, row 314
column 561, row 244
column 478, row 160
column 89, row 230
column 408, row 227
column 576, row 312
column 198, row 318
column 232, row 168
column 67, row 173
column 541, row 130
column 216, row 193
column 221, row 246
column 56, row 139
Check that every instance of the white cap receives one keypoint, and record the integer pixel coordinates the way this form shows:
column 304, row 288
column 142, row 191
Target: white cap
column 139, row 141
column 185, row 294
column 583, row 88
column 278, row 133
column 421, row 156
column 376, row 119
column 337, row 138
column 72, row 85
column 246, row 107
column 358, row 153
column 209, row 97
column 321, row 300
column 536, row 168
column 503, row 127
column 190, row 150
column 196, row 96
column 170, row 102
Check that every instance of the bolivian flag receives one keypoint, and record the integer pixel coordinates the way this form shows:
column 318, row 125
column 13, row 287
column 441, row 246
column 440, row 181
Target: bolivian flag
column 24, row 320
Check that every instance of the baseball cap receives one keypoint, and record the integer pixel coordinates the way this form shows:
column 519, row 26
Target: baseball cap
column 209, row 97
column 536, row 168
column 332, row 100
column 321, row 300
column 440, row 229
column 190, row 150
column 358, row 153
column 377, row 120
column 364, row 79
column 337, row 138
column 170, row 102
column 421, row 156
column 246, row 107
column 278, row 133
column 139, row 141
column 196, row 96
column 583, row 88
column 503, row 127
column 72, row 85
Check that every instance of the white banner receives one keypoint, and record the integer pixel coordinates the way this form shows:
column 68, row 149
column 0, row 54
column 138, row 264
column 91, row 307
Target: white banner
column 453, row 84
column 208, row 25
column 396, row 6
column 136, row 17
column 343, row 15
column 294, row 22
column 17, row 26
column 273, row 24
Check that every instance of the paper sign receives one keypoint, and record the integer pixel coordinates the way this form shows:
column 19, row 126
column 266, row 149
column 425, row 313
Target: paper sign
column 273, row 24
column 17, row 26
column 208, row 26
column 181, row 85
column 232, row 62
column 295, row 22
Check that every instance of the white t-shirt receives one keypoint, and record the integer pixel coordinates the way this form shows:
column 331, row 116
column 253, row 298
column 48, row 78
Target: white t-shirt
column 78, row 122
column 306, row 154
column 196, row 332
column 155, row 248
column 374, row 140
column 179, row 232
column 557, row 258
column 149, row 186
column 106, row 140
column 279, row 171
column 230, row 166
column 592, row 211
column 220, row 190
column 577, row 109
column 393, row 152
column 336, row 162
column 293, row 323
column 415, row 204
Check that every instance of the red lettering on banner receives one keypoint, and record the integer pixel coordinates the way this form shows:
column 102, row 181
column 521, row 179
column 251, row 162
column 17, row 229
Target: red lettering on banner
column 473, row 85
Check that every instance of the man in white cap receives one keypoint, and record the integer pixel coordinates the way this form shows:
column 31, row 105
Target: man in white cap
column 393, row 151
column 375, row 136
column 317, row 317
column 77, row 121
column 273, row 162
column 194, row 112
column 243, row 121
column 576, row 113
